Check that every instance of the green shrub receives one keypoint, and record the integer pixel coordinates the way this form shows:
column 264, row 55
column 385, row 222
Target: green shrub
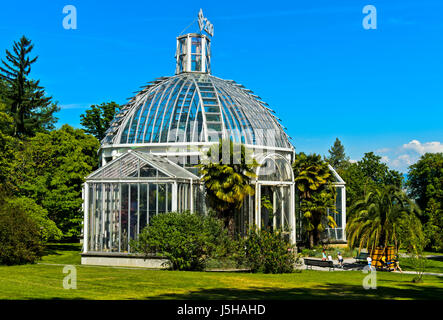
column 268, row 251
column 20, row 236
column 48, row 228
column 187, row 240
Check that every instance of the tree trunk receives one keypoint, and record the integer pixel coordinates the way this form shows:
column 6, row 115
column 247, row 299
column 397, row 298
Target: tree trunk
column 231, row 226
column 229, row 219
column 297, row 210
column 311, row 239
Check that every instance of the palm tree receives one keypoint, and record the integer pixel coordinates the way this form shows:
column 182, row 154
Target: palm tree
column 228, row 184
column 314, row 194
column 381, row 218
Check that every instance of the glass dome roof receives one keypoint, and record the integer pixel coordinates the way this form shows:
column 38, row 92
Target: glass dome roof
column 196, row 108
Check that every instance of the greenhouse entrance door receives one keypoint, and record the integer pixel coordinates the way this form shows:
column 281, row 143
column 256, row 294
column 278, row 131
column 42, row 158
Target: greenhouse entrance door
column 274, row 196
column 274, row 208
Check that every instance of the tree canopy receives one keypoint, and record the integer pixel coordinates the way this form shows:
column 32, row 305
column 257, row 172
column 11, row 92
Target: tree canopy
column 425, row 179
column 385, row 216
column 425, row 185
column 97, row 119
column 362, row 176
column 50, row 169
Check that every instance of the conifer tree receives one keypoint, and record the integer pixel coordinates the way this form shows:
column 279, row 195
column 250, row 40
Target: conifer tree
column 337, row 155
column 27, row 103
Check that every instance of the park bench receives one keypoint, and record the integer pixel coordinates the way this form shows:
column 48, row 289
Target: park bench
column 318, row 263
column 362, row 257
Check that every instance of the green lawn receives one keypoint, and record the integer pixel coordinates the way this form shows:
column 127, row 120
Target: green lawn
column 44, row 281
column 431, row 265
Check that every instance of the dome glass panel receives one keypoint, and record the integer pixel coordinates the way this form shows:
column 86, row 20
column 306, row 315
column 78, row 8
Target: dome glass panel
column 196, row 108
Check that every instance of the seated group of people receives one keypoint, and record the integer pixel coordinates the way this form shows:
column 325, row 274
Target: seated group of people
column 329, row 258
column 388, row 264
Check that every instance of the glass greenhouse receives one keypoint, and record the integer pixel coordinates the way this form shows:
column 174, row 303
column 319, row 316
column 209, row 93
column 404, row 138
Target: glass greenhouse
column 150, row 152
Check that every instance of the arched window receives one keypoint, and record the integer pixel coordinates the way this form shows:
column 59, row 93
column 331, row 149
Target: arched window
column 275, row 168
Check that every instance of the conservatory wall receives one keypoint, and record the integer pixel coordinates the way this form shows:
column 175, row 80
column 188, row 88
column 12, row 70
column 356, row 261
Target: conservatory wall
column 337, row 234
column 339, row 216
column 121, row 198
column 117, row 212
column 274, row 195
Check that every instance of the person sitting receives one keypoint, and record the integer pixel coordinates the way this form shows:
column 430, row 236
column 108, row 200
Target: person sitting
column 383, row 261
column 340, row 259
column 323, row 258
column 397, row 265
column 386, row 263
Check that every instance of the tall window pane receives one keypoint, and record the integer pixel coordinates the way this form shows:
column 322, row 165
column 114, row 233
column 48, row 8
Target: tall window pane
column 115, row 227
column 134, row 210
column 107, row 217
column 91, row 217
column 143, row 205
column 98, row 218
column 338, row 205
column 169, row 192
column 161, row 198
column 124, row 218
column 152, row 200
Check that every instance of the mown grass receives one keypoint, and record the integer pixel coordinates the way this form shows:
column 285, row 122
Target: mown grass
column 62, row 253
column 433, row 265
column 45, row 281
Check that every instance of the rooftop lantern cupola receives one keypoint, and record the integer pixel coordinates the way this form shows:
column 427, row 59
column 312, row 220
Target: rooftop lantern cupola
column 193, row 52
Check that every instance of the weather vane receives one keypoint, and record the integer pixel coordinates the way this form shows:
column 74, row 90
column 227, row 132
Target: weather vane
column 204, row 24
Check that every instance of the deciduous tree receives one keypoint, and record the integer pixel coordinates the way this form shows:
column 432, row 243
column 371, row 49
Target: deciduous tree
column 97, row 119
column 425, row 186
column 51, row 168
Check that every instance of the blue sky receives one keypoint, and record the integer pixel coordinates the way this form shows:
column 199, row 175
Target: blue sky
column 325, row 75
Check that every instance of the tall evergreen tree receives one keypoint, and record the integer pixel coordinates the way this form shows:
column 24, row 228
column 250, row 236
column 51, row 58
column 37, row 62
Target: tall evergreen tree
column 27, row 103
column 337, row 156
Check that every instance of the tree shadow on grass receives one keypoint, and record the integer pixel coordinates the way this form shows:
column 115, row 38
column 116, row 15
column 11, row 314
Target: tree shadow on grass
column 436, row 258
column 329, row 291
column 51, row 249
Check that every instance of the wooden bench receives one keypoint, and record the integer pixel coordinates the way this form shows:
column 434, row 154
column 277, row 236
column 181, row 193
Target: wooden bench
column 318, row 263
